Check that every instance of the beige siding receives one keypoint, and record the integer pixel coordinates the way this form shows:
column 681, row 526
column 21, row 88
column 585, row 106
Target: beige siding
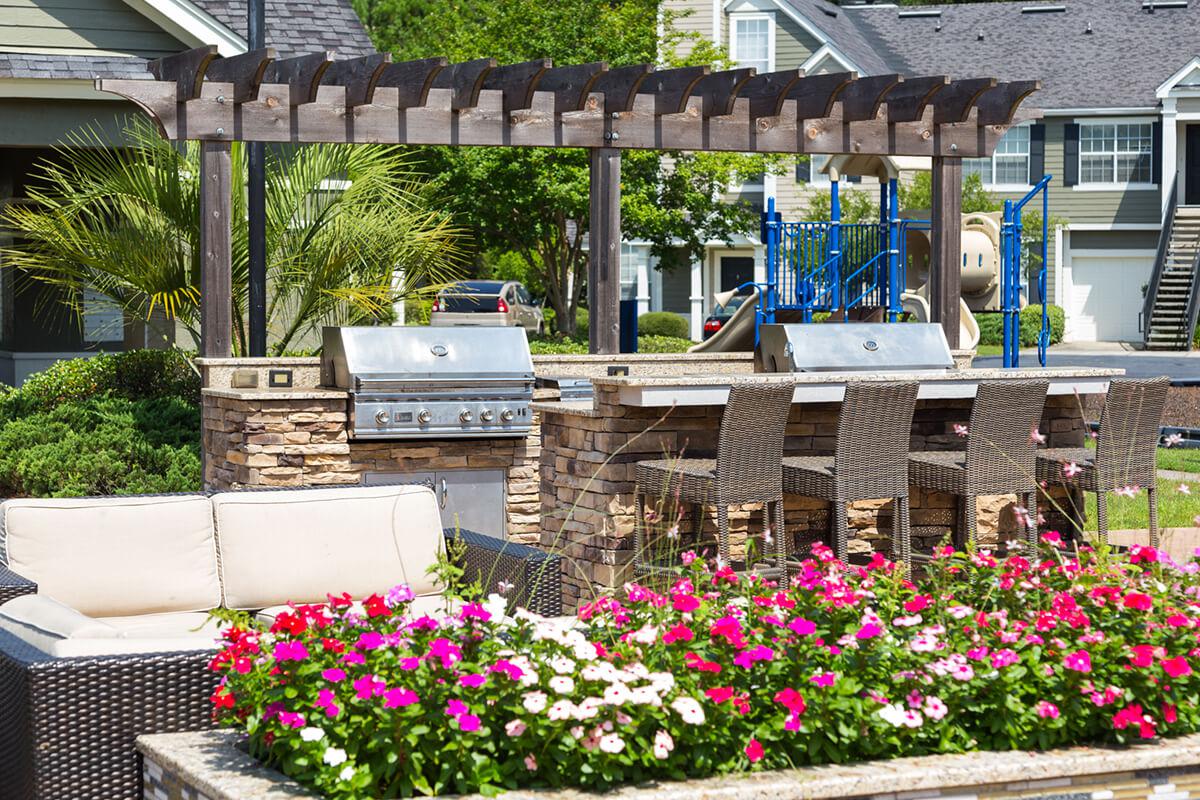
column 691, row 16
column 84, row 27
column 793, row 44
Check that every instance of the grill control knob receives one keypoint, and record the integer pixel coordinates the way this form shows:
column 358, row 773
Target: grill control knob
column 423, row 416
column 381, row 417
column 466, row 415
column 486, row 415
column 507, row 415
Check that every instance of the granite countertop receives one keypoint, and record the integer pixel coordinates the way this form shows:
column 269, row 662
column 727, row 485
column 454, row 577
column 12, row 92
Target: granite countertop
column 276, row 394
column 214, row 765
column 1050, row 373
column 578, row 408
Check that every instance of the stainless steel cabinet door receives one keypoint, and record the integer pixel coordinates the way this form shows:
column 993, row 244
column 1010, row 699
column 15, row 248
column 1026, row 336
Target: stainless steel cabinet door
column 472, row 499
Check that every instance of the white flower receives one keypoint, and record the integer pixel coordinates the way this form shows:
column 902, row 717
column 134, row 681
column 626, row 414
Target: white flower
column 347, row 773
column 616, row 694
column 673, row 532
column 645, row 696
column 562, row 684
column 562, row 665
column 959, row 612
column 923, row 643
column 647, row 634
column 1173, row 439
column 534, row 702
column 662, row 682
column 312, row 734
column 1185, row 489
column 908, row 622
column 334, row 756
column 638, row 670
column 561, row 710
column 584, row 650
column 901, row 717
column 589, row 708
column 514, row 727
column 596, row 672
column 612, row 743
column 663, row 744
column 496, row 605
column 504, row 587
column 768, row 539
column 688, row 709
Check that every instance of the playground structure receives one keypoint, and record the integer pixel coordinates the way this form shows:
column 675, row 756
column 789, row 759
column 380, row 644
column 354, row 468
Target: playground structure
column 880, row 270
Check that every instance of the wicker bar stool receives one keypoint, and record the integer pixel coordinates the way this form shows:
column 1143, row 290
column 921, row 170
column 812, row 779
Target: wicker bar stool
column 873, row 432
column 1000, row 458
column 1125, row 451
column 746, row 469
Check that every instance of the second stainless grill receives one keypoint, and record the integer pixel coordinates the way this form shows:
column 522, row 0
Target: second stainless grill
column 853, row 347
column 421, row 382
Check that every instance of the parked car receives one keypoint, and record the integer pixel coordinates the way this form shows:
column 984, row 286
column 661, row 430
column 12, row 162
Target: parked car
column 721, row 314
column 498, row 303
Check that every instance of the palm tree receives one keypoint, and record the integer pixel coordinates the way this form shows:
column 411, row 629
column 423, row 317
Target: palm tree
column 350, row 230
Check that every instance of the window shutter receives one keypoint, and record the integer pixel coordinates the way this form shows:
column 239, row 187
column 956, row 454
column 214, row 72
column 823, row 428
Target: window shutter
column 1071, row 154
column 1037, row 152
column 804, row 170
column 1156, row 153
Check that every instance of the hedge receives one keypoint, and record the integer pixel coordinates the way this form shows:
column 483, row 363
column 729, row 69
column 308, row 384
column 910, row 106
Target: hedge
column 991, row 326
column 663, row 323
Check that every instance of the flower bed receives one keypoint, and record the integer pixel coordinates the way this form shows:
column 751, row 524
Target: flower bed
column 719, row 674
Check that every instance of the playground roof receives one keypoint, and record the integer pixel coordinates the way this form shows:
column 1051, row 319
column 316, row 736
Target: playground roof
column 1129, row 52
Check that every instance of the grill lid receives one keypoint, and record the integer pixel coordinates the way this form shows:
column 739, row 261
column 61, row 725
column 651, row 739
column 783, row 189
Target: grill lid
column 352, row 356
column 854, row 347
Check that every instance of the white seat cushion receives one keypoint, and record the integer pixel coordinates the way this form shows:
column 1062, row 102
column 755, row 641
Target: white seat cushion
column 280, row 547
column 59, row 630
column 116, row 556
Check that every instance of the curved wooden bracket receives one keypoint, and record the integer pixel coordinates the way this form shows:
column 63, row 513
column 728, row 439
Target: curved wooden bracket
column 906, row 102
column 672, row 88
column 464, row 81
column 998, row 104
column 620, row 86
column 816, row 94
column 359, row 75
column 767, row 92
column 244, row 71
column 954, row 102
column 720, row 90
column 302, row 75
column 861, row 99
column 412, row 79
column 186, row 70
column 518, row 82
column 571, row 85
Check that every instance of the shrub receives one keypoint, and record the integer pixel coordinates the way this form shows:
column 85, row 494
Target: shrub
column 581, row 322
column 133, row 374
column 107, row 445
column 721, row 673
column 663, row 344
column 553, row 346
column 663, row 323
column 991, row 326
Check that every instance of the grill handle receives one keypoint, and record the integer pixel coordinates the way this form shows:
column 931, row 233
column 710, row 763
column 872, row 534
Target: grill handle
column 445, row 491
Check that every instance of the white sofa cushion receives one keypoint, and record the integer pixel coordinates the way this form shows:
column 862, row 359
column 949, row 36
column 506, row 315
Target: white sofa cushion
column 280, row 547
column 59, row 630
column 117, row 556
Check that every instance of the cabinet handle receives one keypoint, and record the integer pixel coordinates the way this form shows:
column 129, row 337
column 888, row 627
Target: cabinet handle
column 445, row 491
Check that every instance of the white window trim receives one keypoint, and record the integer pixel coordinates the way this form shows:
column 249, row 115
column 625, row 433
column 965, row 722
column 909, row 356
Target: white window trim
column 1116, row 186
column 748, row 16
column 1014, row 187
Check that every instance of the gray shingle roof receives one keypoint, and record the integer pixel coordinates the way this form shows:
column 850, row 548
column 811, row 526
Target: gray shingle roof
column 294, row 27
column 845, row 33
column 1128, row 54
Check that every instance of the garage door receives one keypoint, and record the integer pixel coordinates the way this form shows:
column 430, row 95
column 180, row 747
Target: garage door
column 1103, row 296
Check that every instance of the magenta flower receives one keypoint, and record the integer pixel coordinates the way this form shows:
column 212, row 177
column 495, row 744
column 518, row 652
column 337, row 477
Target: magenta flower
column 291, row 719
column 679, row 633
column 473, row 681
column 398, row 698
column 290, row 651
column 1176, row 667
column 369, row 686
column 1138, row 601
column 868, row 631
column 456, row 708
column 370, row 640
column 468, row 723
column 334, row 675
column 1046, row 710
column 1004, row 658
column 397, row 595
column 446, row 651
column 510, row 669
column 754, row 751
column 1079, row 661
column 327, row 701
column 747, row 658
column 802, row 627
column 824, row 679
column 474, row 611
column 354, row 658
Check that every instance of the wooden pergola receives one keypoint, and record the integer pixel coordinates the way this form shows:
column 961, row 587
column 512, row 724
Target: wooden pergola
column 198, row 95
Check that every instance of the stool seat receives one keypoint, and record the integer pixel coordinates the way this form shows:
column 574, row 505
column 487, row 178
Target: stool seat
column 812, row 476
column 1051, row 460
column 943, row 471
column 694, row 479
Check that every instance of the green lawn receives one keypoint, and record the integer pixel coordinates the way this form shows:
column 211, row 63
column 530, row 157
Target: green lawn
column 989, row 350
column 1175, row 508
column 1179, row 459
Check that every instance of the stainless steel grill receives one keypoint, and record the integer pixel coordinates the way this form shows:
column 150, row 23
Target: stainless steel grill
column 423, row 382
column 853, row 347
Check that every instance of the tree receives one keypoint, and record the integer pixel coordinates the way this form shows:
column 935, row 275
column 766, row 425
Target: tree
column 534, row 202
column 343, row 221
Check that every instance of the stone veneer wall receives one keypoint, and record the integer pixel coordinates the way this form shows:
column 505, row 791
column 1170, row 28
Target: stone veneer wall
column 209, row 766
column 587, row 486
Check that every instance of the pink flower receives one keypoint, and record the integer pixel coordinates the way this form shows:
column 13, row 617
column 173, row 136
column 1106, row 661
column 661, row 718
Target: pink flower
column 917, row 604
column 1178, row 621
column 687, row 558
column 960, row 430
column 1004, row 658
column 446, row 651
column 1046, row 710
column 935, row 708
column 474, row 611
column 685, row 602
column 473, row 680
column 1169, row 715
column 802, row 627
column 515, row 728
column 868, row 631
column 1138, row 601
column 747, row 658
column 1071, row 469
column 754, row 751
column 369, row 686
column 455, row 708
column 1079, row 661
column 291, row 719
column 531, row 763
column 824, row 679
column 1143, row 655
column 1176, row 667
column 327, row 700
column 1036, row 436
column 792, row 700
column 290, row 651
column 1127, row 491
column 1133, row 715
column 397, row 595
column 468, row 723
column 680, row 633
column 334, row 675
column 398, row 698
column 370, row 640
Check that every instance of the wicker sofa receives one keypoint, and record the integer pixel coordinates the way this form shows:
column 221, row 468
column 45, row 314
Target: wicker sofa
column 104, row 627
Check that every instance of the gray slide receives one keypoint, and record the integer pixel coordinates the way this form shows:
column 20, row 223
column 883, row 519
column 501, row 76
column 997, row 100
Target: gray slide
column 736, row 335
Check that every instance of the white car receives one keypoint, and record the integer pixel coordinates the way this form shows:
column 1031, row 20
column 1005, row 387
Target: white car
column 496, row 303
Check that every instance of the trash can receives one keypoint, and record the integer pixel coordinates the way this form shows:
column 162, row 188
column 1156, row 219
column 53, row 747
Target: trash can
column 629, row 331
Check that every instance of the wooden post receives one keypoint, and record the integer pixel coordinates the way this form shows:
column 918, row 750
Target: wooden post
column 216, row 250
column 604, row 254
column 945, row 235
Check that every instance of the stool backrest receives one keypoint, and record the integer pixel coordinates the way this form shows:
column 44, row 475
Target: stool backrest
column 750, row 442
column 1001, row 449
column 1128, row 436
column 873, row 434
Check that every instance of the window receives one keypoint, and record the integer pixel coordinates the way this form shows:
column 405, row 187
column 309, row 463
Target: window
column 632, row 257
column 750, row 42
column 1115, row 152
column 1009, row 165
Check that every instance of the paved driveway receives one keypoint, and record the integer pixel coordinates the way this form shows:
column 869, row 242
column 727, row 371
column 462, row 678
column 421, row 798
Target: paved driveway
column 1178, row 366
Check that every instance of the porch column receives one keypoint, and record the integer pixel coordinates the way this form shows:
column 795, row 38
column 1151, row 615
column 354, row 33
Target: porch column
column 216, row 250
column 604, row 252
column 697, row 298
column 945, row 235
column 1169, row 154
column 643, row 284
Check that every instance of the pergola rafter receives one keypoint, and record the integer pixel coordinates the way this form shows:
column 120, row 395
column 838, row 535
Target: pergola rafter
column 198, row 95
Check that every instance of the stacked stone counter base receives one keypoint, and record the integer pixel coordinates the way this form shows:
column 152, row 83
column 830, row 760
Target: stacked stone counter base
column 188, row 766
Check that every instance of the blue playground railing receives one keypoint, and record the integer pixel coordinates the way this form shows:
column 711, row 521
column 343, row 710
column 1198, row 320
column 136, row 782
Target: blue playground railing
column 1011, row 253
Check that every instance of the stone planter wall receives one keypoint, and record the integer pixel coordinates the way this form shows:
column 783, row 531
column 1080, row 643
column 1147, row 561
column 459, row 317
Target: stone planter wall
column 589, row 455
column 208, row 766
